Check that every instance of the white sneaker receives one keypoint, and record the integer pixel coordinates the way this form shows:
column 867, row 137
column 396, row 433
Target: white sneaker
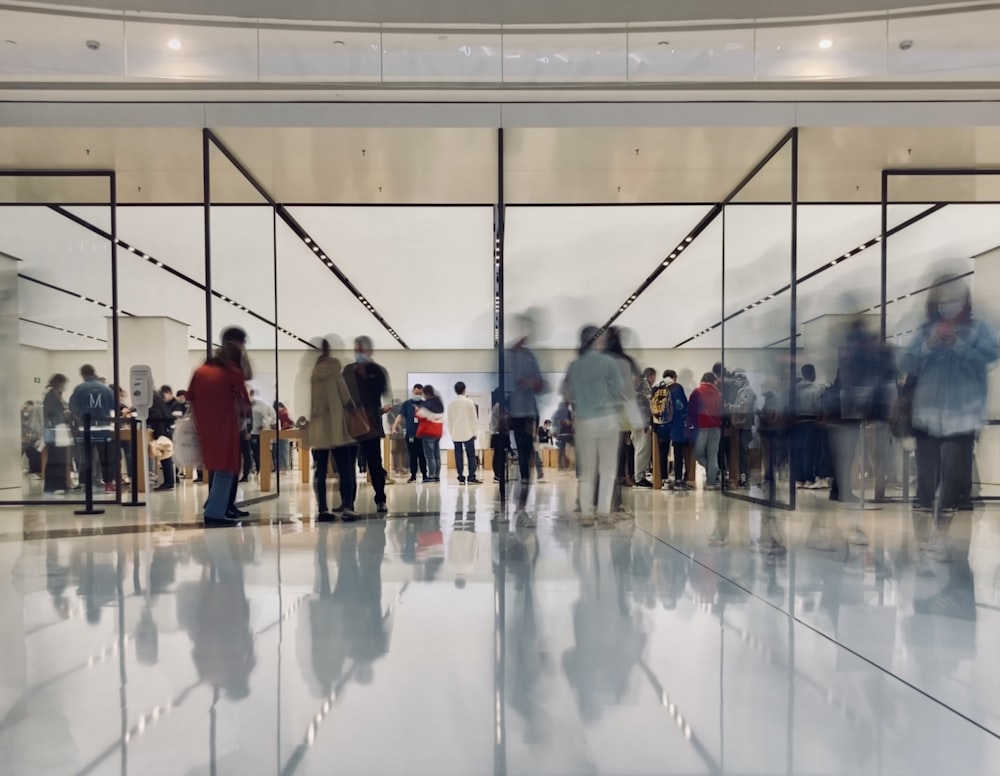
column 858, row 538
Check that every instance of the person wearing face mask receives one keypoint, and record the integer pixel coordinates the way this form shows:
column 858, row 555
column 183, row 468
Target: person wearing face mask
column 369, row 387
column 408, row 418
column 947, row 361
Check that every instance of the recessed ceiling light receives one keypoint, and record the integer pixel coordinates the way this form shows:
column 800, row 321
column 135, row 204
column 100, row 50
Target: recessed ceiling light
column 826, row 43
column 174, row 44
column 663, row 43
column 339, row 43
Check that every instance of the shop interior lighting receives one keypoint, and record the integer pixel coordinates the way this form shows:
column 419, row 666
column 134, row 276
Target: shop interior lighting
column 299, row 231
column 826, row 43
column 828, row 265
column 166, row 268
column 174, row 44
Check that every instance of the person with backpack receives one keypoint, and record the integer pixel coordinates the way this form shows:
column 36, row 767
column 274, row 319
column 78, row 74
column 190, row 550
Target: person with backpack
column 661, row 411
column 677, row 429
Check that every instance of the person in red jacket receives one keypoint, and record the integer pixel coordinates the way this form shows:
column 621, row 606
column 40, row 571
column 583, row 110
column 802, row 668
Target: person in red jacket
column 705, row 408
column 219, row 399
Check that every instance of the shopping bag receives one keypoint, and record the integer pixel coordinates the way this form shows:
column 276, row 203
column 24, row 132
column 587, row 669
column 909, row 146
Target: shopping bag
column 356, row 420
column 187, row 446
column 58, row 436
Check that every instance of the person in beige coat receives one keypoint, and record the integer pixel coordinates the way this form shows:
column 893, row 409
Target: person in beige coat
column 328, row 436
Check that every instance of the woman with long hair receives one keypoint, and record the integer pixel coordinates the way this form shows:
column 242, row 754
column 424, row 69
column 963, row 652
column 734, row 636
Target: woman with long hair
column 219, row 401
column 328, row 435
column 630, row 376
column 947, row 360
column 55, row 412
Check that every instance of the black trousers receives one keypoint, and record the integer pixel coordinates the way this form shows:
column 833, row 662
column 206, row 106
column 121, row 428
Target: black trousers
column 663, row 443
column 944, row 462
column 371, row 451
column 499, row 444
column 255, row 450
column 344, row 459
column 524, row 441
column 680, row 454
column 415, row 450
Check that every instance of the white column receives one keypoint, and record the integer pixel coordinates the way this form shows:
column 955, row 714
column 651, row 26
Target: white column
column 157, row 341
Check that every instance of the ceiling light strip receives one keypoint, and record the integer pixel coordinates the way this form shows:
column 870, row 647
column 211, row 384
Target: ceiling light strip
column 60, row 328
column 142, row 255
column 297, row 228
column 310, row 242
column 871, row 243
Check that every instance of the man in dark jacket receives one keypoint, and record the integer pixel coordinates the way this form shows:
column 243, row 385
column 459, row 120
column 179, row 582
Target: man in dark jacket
column 369, row 387
column 161, row 423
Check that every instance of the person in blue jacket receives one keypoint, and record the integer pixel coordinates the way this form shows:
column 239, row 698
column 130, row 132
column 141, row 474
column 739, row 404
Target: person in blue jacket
column 946, row 362
column 94, row 402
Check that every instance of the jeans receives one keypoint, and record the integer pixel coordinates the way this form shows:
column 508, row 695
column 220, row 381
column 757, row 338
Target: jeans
column 432, row 452
column 167, row 464
column 944, row 461
column 706, row 452
column 219, row 495
column 415, row 448
column 469, row 449
column 643, row 444
column 281, row 455
column 344, row 460
column 597, row 441
column 371, row 451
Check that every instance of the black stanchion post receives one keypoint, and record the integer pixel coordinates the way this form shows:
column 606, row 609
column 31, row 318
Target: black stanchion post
column 136, row 435
column 88, row 471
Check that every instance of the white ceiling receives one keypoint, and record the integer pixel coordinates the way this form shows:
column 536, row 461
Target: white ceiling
column 50, row 48
column 427, row 270
column 502, row 11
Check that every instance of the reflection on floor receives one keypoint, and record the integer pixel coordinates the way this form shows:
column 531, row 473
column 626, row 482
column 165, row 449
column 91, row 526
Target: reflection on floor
column 429, row 644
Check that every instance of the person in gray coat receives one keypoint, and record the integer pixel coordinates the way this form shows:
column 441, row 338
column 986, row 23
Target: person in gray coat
column 328, row 435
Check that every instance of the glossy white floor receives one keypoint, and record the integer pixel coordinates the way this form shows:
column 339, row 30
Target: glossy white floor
column 414, row 646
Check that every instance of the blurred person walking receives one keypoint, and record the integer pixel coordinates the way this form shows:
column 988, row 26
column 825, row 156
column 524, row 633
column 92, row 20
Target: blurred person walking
column 368, row 383
column 524, row 384
column 407, row 422
column 742, row 414
column 219, row 400
column 614, row 347
column 947, row 361
column 706, row 408
column 599, row 396
column 329, row 437
column 463, row 423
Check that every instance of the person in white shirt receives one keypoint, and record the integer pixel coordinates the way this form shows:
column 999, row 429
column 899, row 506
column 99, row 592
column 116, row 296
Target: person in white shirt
column 463, row 423
column 263, row 417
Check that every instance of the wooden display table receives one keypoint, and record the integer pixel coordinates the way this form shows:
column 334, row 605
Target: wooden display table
column 267, row 437
column 139, row 466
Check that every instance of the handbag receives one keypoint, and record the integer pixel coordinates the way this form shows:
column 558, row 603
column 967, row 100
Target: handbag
column 356, row 421
column 187, row 445
column 428, row 429
column 58, row 436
